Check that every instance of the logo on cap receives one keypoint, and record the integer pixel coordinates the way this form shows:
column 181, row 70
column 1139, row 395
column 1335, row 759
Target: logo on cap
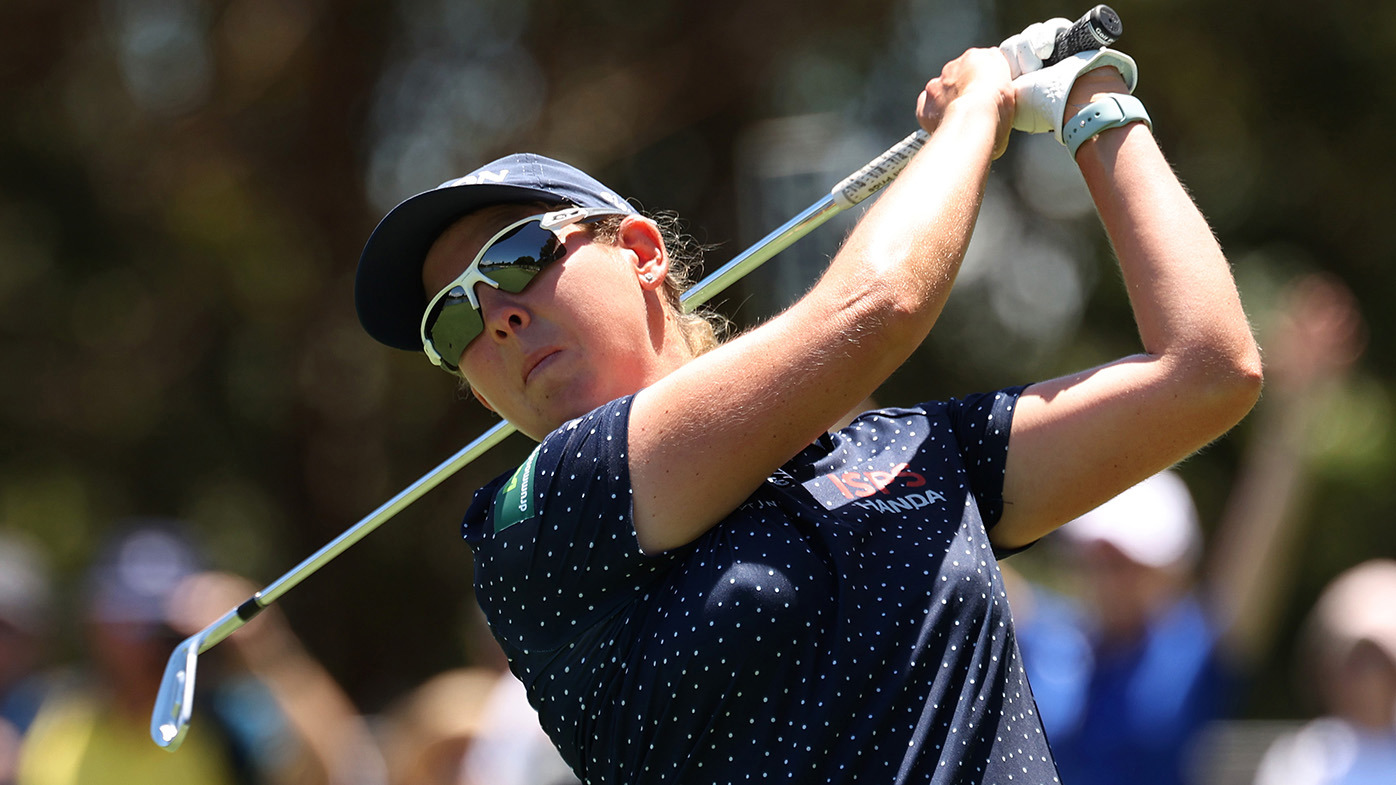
column 482, row 177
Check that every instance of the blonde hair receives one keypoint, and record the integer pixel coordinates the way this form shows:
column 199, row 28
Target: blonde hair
column 703, row 330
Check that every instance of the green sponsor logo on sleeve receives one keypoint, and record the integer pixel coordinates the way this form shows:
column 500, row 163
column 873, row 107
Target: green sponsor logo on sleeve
column 514, row 503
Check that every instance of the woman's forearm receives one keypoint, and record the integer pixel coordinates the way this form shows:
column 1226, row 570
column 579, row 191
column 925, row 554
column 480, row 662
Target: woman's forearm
column 1178, row 281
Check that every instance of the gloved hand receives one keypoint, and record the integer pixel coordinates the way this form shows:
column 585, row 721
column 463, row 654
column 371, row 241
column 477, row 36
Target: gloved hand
column 1041, row 95
column 1026, row 50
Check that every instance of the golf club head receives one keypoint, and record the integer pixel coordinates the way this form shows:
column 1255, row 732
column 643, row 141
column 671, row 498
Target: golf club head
column 174, row 704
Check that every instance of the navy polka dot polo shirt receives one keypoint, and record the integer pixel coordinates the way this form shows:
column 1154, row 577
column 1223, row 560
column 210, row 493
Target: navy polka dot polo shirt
column 846, row 624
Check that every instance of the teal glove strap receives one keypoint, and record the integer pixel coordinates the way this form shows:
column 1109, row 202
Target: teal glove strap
column 1113, row 111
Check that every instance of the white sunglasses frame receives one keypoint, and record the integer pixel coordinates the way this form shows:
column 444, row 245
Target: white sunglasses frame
column 471, row 276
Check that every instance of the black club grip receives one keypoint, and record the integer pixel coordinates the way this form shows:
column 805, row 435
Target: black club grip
column 1100, row 26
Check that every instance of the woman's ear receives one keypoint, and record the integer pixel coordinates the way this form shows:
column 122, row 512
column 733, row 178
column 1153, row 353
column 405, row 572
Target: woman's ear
column 642, row 238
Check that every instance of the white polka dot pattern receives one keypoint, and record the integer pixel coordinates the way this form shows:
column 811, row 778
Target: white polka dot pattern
column 846, row 624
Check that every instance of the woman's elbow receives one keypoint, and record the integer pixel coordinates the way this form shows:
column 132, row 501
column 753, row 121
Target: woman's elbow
column 1245, row 381
column 1229, row 381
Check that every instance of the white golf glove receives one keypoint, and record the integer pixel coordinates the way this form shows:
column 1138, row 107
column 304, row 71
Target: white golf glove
column 1026, row 50
column 1041, row 95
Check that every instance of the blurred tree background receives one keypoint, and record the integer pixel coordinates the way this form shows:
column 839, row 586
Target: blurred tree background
column 185, row 186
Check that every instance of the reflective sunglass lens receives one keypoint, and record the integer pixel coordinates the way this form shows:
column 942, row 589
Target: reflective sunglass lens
column 456, row 324
column 510, row 262
column 514, row 259
column 512, row 279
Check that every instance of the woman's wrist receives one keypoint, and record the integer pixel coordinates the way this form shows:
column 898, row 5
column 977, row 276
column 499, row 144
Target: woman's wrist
column 995, row 103
column 986, row 106
column 1111, row 111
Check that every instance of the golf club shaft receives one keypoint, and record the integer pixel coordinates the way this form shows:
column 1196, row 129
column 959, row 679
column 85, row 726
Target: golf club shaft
column 273, row 591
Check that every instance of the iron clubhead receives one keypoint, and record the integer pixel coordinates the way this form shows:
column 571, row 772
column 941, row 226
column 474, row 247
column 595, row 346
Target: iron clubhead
column 174, row 704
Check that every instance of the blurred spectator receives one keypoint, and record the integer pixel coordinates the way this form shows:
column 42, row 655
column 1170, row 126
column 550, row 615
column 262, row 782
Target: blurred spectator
column 26, row 600
column 1126, row 678
column 426, row 733
column 511, row 747
column 1350, row 643
column 1124, row 681
column 279, row 718
column 471, row 726
column 328, row 739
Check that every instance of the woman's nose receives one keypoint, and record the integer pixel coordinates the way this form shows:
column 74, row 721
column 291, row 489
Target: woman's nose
column 502, row 313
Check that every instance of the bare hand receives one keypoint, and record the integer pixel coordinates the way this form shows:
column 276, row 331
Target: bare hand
column 982, row 74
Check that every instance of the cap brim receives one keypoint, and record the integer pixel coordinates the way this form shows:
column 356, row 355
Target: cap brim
column 388, row 292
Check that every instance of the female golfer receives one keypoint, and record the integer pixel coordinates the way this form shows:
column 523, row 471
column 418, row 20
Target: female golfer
column 697, row 583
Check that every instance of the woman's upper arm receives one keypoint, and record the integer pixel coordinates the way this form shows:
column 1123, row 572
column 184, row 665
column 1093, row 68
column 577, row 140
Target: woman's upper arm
column 704, row 438
column 1079, row 440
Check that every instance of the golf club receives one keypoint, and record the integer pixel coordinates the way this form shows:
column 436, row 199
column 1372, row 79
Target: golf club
column 169, row 722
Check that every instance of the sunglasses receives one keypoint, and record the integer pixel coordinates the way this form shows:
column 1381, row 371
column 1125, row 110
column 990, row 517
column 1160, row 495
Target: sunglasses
column 512, row 258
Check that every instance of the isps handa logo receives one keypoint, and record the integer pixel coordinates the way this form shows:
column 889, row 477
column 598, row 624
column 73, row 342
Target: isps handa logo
column 868, row 489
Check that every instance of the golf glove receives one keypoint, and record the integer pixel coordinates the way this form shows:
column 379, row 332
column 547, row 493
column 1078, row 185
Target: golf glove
column 1026, row 50
column 1041, row 95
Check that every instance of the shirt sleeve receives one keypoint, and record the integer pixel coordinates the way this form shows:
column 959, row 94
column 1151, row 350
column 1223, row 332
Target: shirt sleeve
column 555, row 546
column 981, row 424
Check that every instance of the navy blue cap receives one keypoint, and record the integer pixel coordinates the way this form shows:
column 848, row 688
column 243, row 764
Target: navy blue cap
column 388, row 287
